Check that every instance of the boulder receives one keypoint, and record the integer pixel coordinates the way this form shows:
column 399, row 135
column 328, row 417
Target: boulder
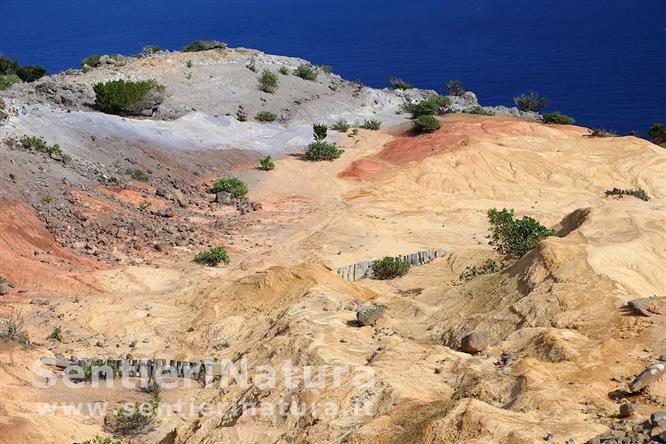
column 474, row 343
column 648, row 376
column 224, row 198
column 370, row 315
column 627, row 409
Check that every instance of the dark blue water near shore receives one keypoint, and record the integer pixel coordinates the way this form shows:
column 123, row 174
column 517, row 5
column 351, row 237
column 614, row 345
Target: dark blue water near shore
column 603, row 62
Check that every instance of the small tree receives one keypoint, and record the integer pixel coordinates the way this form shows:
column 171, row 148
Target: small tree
column 531, row 102
column 267, row 163
column 455, row 88
column 398, row 83
column 389, row 268
column 657, row 134
column 515, row 236
column 320, row 131
column 558, row 118
column 213, row 256
column 232, row 185
column 306, row 72
column 426, row 124
column 265, row 116
column 268, row 82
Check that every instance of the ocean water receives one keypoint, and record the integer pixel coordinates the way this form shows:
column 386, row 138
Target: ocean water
column 600, row 61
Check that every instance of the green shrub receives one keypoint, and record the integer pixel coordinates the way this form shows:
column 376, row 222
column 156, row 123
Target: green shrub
column 265, row 116
column 8, row 66
column 139, row 174
column 284, row 70
column 101, row 370
column 515, row 236
column 232, row 185
column 478, row 110
column 389, row 268
column 306, row 72
column 426, row 124
column 371, row 124
column 125, row 97
column 320, row 131
column 341, row 125
column 657, row 134
column 455, row 88
column 398, row 83
column 134, row 419
column 92, row 61
column 326, row 68
column 319, row 150
column 213, row 256
column 204, row 45
column 30, row 73
column 268, row 82
column 39, row 144
column 101, row 440
column 8, row 80
column 267, row 163
column 558, row 118
column 56, row 334
column 489, row 266
column 531, row 102
column 151, row 49
column 189, row 64
column 424, row 108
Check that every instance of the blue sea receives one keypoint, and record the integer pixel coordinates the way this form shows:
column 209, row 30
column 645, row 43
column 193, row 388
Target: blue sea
column 600, row 61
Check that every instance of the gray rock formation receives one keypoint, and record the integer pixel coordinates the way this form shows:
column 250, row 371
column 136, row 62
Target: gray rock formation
column 649, row 306
column 648, row 376
column 369, row 315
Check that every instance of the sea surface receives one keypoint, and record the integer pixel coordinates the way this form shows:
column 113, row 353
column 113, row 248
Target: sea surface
column 600, row 61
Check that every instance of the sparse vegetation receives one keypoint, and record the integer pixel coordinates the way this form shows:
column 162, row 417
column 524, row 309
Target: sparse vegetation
column 657, row 133
column 515, row 237
column 30, row 73
column 8, row 80
column 455, row 88
column 151, row 49
column 56, row 334
column 327, row 69
column 11, row 72
column 638, row 193
column 389, row 268
column 8, row 66
column 100, row 370
column 189, row 64
column 241, row 115
column 265, row 116
column 204, row 45
column 39, row 144
column 478, row 110
column 488, row 266
column 101, row 440
column 341, row 125
column 125, row 97
column 284, row 71
column 267, row 163
column 130, row 420
column 531, row 102
column 139, row 174
column 212, row 257
column 11, row 326
column 426, row 124
column 596, row 132
column 232, row 185
column 252, row 66
column 320, row 131
column 268, row 82
column 398, row 83
column 47, row 199
column 371, row 124
column 306, row 72
column 91, row 61
column 558, row 118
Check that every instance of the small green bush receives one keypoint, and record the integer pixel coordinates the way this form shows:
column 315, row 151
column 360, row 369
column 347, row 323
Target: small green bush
column 268, row 82
column 125, row 97
column 135, row 419
column 371, row 124
column 151, row 49
column 204, row 45
column 478, row 110
column 8, row 66
column 232, row 185
column 515, row 236
column 284, row 71
column 265, row 116
column 8, row 80
column 213, row 257
column 101, row 440
column 306, row 72
column 39, row 144
column 92, row 61
column 56, row 334
column 489, row 266
column 389, row 268
column 327, row 69
column 320, row 131
column 424, row 108
column 267, row 163
column 455, row 88
column 319, row 150
column 558, row 118
column 341, row 125
column 657, row 134
column 426, row 124
column 531, row 102
column 398, row 83
column 30, row 73
column 139, row 174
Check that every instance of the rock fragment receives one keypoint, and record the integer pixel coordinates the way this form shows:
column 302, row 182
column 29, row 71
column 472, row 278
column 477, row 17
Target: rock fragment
column 369, row 315
column 474, row 343
column 648, row 376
